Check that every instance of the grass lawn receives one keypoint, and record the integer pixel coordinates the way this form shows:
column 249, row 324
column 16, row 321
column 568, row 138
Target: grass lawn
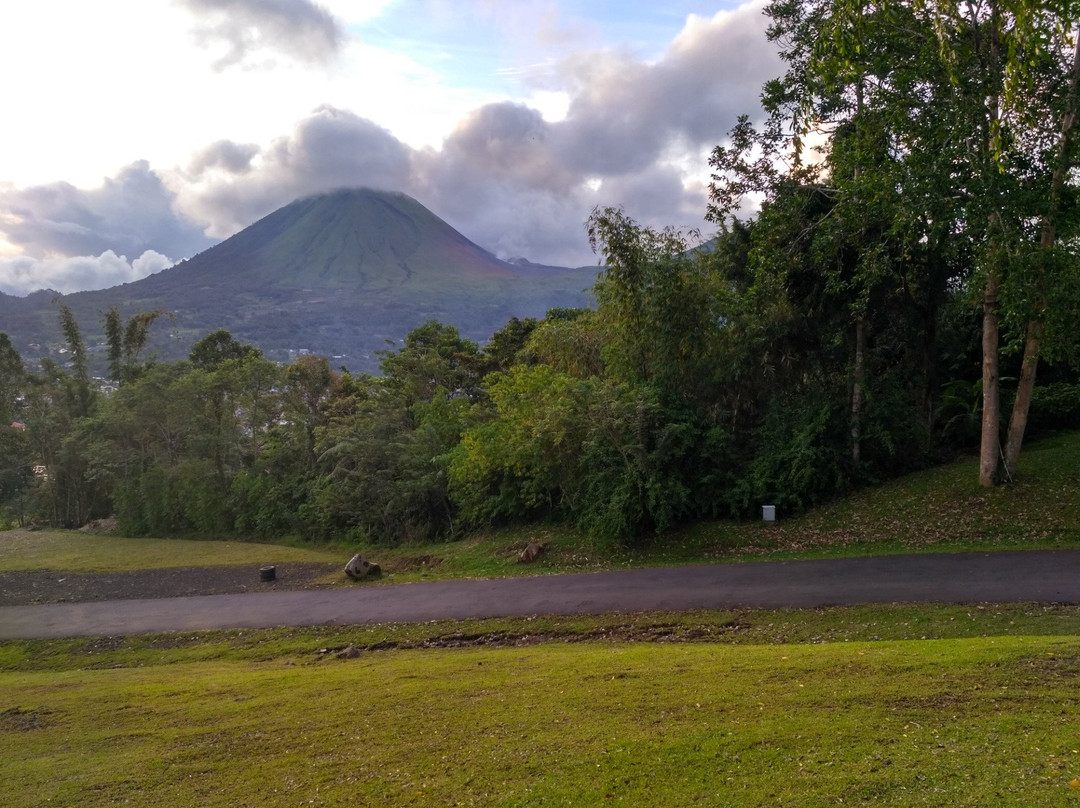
column 748, row 718
column 81, row 552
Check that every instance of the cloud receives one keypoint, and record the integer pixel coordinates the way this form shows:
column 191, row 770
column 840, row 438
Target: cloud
column 497, row 180
column 625, row 112
column 635, row 133
column 300, row 29
column 23, row 275
column 504, row 141
column 520, row 185
column 129, row 214
column 224, row 155
column 328, row 150
column 658, row 195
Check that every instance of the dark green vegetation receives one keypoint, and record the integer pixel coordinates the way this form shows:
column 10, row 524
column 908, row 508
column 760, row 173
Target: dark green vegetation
column 829, row 344
column 337, row 275
column 950, row 162
column 940, row 509
column 899, row 706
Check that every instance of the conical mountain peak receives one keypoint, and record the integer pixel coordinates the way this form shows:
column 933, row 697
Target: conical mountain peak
column 339, row 274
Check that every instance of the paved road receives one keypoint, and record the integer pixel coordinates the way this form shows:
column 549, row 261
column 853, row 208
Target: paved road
column 1034, row 575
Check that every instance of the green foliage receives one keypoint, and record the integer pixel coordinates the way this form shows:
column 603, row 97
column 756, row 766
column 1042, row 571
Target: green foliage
column 434, row 356
column 524, row 462
column 508, row 346
column 798, row 457
column 384, row 447
column 639, row 466
column 55, row 405
column 659, row 313
column 11, row 380
column 173, row 500
column 218, row 347
column 16, row 474
column 1056, row 406
column 80, row 394
column 570, row 345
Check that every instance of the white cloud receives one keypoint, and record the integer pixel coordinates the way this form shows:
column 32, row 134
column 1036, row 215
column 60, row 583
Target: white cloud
column 23, row 275
column 130, row 213
column 299, row 29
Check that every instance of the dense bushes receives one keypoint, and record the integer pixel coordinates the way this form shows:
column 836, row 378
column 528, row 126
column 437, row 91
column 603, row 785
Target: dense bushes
column 705, row 384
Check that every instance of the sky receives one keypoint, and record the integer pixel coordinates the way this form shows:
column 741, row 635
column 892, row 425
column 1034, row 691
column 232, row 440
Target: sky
column 140, row 132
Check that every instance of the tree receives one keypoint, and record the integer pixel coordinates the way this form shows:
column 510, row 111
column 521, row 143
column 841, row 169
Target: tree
column 16, row 474
column 1058, row 163
column 523, row 462
column 217, row 347
column 12, row 378
column 79, row 392
column 384, row 448
column 127, row 342
column 434, row 356
column 659, row 316
column 965, row 99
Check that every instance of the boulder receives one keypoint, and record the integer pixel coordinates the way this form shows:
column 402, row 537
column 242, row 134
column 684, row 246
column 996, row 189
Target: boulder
column 359, row 567
column 531, row 552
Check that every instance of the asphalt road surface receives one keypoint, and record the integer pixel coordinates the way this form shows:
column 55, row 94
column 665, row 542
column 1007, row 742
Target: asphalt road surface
column 1022, row 576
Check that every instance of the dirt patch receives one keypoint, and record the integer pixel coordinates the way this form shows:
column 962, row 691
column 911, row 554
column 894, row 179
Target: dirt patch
column 50, row 586
column 621, row 633
column 18, row 720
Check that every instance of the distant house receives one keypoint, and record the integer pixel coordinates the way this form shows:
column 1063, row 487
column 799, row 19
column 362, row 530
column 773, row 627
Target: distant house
column 17, row 425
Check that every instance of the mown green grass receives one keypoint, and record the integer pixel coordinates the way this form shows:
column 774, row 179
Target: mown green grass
column 900, row 622
column 987, row 721
column 73, row 551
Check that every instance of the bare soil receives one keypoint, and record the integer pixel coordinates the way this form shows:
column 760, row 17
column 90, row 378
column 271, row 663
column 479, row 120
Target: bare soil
column 52, row 586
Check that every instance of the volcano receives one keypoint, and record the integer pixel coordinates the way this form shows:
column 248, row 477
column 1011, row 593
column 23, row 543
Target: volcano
column 342, row 274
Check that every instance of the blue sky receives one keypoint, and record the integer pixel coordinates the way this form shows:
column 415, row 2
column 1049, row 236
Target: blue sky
column 138, row 132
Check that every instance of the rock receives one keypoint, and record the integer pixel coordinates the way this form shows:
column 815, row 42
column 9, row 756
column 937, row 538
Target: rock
column 348, row 652
column 358, row 567
column 531, row 552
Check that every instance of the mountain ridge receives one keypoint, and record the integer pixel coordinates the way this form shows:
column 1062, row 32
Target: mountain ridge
column 337, row 274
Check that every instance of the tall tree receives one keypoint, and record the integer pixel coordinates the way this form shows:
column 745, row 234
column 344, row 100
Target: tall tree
column 964, row 95
column 15, row 464
column 12, row 378
column 127, row 342
column 1058, row 162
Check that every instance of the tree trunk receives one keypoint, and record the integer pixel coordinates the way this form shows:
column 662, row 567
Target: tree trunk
column 857, row 390
column 1025, row 388
column 988, row 449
